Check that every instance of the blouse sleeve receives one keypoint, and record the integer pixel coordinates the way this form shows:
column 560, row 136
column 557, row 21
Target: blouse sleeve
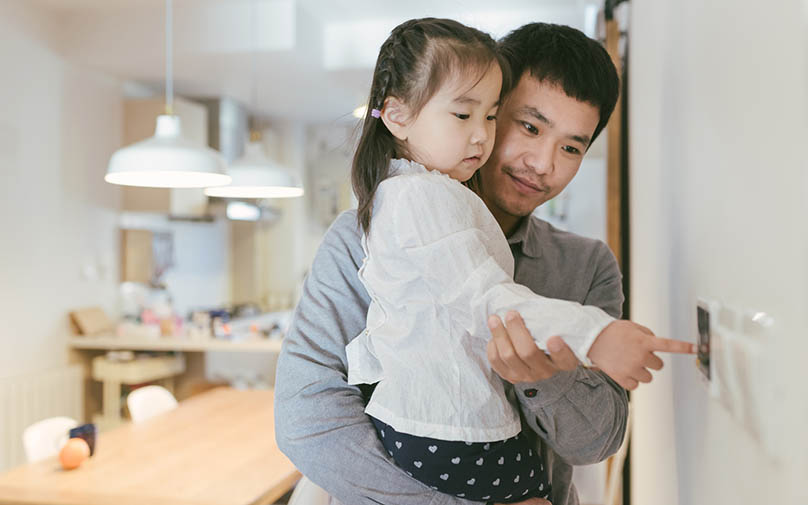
column 440, row 235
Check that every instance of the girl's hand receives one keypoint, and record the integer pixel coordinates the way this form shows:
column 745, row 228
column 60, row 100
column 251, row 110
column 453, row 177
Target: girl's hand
column 625, row 350
column 513, row 353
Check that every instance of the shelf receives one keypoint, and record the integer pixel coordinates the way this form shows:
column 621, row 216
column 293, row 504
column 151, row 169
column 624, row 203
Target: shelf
column 174, row 344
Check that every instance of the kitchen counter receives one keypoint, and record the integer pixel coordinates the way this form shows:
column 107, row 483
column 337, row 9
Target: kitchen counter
column 183, row 383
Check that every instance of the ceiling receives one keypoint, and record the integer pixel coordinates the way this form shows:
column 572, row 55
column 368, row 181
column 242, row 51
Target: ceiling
column 309, row 60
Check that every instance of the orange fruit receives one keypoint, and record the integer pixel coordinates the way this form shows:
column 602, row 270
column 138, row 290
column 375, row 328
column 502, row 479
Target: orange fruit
column 74, row 453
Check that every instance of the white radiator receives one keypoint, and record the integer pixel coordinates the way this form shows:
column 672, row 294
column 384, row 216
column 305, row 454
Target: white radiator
column 26, row 399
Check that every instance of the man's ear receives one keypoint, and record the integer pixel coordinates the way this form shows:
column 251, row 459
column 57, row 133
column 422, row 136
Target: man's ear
column 396, row 117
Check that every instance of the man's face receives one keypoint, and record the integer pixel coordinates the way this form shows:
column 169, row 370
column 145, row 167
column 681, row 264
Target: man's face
column 542, row 135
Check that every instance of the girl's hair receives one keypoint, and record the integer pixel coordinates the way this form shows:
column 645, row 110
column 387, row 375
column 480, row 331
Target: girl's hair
column 418, row 57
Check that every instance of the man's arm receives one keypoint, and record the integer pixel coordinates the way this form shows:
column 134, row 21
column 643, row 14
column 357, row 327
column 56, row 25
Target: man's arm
column 320, row 421
column 579, row 412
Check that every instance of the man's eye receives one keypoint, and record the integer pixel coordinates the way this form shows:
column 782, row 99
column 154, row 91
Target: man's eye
column 491, row 118
column 529, row 127
column 571, row 150
column 462, row 116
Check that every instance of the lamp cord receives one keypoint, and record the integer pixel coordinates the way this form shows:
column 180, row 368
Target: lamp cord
column 169, row 61
column 253, row 64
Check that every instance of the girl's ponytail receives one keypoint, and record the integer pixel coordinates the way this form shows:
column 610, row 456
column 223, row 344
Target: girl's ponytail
column 370, row 166
column 377, row 146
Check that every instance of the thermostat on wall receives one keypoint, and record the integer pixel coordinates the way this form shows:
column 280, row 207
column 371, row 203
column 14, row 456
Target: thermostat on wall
column 717, row 337
column 709, row 353
column 703, row 310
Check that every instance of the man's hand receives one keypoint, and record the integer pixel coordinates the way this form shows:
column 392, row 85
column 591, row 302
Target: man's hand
column 625, row 351
column 513, row 353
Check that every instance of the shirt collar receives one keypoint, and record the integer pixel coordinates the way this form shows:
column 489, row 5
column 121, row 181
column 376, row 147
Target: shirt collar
column 401, row 166
column 527, row 236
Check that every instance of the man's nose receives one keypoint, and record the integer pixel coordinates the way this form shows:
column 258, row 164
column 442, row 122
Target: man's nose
column 540, row 158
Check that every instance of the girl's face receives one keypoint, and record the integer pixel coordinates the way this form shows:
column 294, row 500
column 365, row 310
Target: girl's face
column 454, row 132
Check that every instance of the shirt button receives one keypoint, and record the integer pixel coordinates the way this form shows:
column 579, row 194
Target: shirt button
column 530, row 393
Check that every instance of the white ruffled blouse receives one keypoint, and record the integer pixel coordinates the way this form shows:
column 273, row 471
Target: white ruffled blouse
column 437, row 265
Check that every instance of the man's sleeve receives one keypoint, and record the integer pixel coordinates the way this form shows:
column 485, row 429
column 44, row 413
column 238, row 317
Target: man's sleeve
column 320, row 421
column 582, row 414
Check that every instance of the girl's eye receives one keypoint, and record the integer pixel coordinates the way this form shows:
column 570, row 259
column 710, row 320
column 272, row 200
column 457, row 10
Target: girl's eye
column 462, row 116
column 571, row 150
column 529, row 127
column 491, row 118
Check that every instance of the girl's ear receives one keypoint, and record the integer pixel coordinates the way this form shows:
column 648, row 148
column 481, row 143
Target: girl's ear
column 396, row 117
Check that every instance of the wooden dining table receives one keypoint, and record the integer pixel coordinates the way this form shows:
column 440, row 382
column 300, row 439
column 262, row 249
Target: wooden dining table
column 216, row 448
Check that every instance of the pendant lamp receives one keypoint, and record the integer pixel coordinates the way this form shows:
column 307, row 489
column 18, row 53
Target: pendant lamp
column 255, row 175
column 167, row 160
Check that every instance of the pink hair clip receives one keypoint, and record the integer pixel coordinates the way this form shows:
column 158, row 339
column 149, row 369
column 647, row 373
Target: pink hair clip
column 376, row 113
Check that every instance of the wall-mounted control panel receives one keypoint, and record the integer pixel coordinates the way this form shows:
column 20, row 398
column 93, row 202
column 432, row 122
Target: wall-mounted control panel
column 703, row 356
column 737, row 371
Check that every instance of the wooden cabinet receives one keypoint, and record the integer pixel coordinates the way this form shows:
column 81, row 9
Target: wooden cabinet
column 145, row 255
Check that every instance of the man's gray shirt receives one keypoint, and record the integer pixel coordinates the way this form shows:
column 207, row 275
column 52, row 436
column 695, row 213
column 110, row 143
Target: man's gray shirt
column 575, row 418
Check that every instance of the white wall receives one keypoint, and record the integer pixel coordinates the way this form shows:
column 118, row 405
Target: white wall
column 718, row 129
column 58, row 239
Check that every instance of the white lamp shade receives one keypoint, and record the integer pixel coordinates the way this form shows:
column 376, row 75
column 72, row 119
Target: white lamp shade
column 167, row 160
column 256, row 176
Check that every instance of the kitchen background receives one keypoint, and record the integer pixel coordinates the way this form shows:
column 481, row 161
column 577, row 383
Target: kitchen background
column 716, row 125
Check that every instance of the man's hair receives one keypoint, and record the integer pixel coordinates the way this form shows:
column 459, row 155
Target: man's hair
column 565, row 57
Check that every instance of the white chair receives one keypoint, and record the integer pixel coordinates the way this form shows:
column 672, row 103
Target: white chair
column 308, row 493
column 45, row 438
column 149, row 401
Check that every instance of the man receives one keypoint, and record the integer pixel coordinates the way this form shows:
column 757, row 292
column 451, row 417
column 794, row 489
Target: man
column 565, row 90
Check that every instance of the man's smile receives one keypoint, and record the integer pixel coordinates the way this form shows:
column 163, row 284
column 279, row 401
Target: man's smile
column 525, row 185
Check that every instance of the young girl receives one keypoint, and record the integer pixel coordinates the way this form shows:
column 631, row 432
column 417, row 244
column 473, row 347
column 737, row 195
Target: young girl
column 438, row 264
